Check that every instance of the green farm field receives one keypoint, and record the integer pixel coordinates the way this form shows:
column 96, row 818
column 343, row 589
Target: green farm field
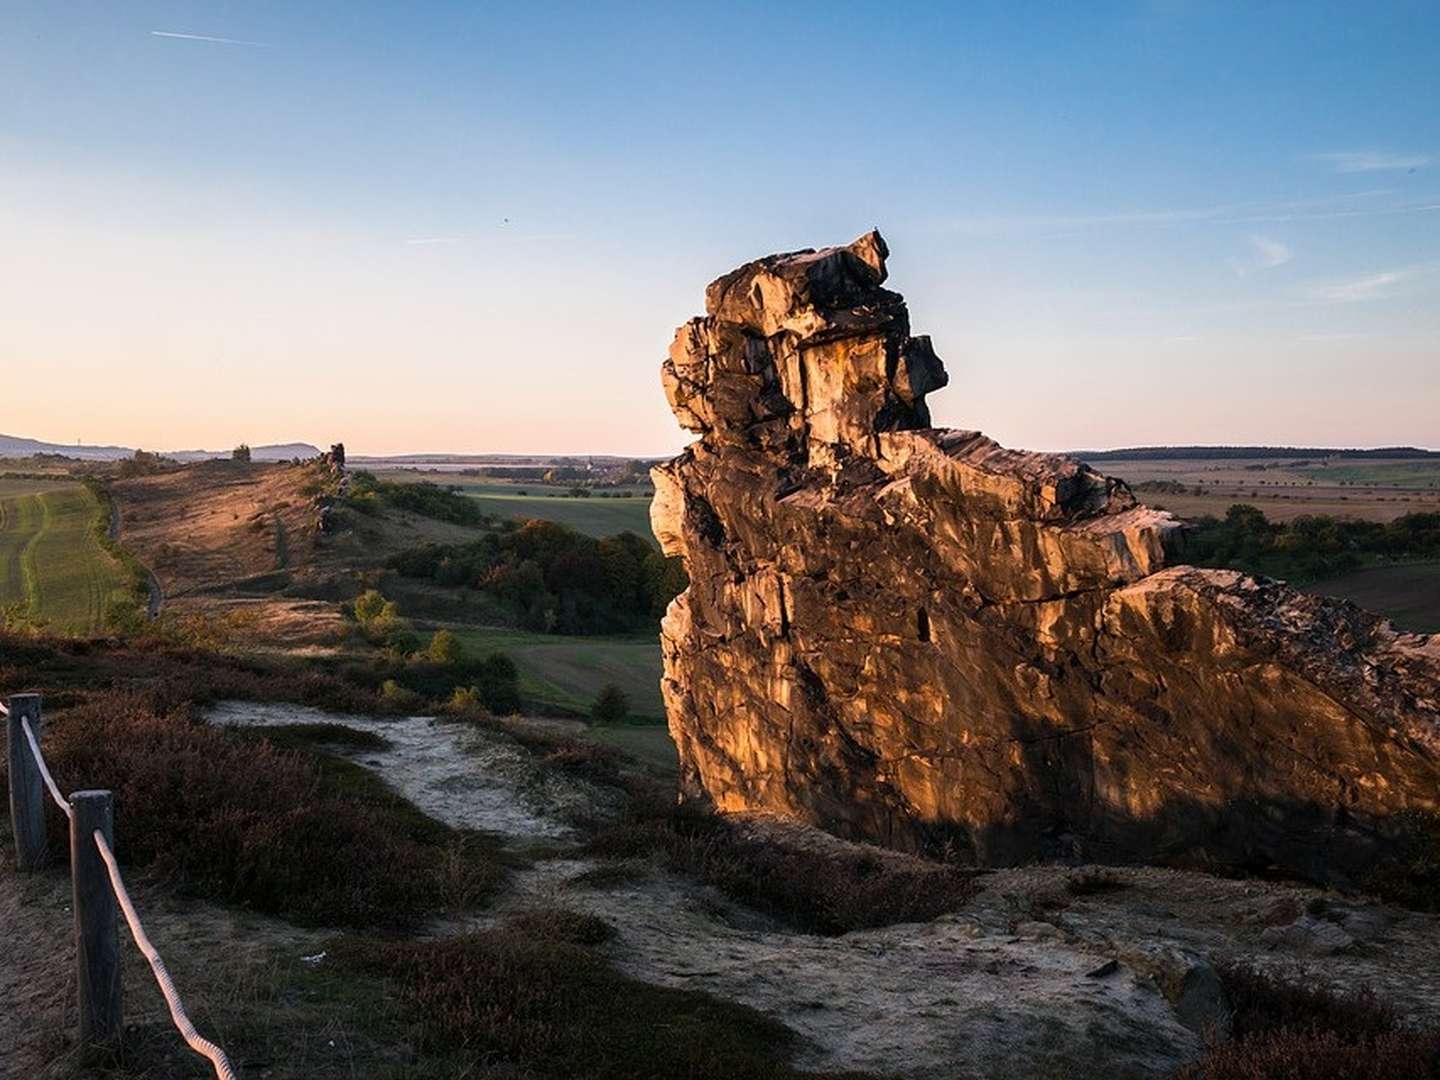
column 1380, row 490
column 51, row 564
column 1408, row 595
column 568, row 672
column 597, row 516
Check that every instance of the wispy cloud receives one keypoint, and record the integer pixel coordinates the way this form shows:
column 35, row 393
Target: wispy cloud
column 1266, row 253
column 207, row 37
column 428, row 241
column 1270, row 253
column 1366, row 161
column 1356, row 290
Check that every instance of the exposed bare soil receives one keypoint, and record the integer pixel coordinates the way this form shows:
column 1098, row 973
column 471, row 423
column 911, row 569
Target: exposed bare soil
column 241, row 542
column 1036, row 977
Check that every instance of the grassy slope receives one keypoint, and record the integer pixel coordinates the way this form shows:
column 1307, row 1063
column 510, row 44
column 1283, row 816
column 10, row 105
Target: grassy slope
column 583, row 665
column 595, row 516
column 650, row 743
column 50, row 558
column 569, row 671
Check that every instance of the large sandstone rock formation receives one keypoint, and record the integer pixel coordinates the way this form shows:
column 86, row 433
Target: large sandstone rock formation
column 914, row 636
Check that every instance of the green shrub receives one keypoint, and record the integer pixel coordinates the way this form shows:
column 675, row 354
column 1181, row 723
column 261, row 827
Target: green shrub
column 371, row 607
column 379, row 620
column 367, row 493
column 466, row 700
column 494, row 677
column 401, row 699
column 554, row 579
column 444, row 648
column 611, row 705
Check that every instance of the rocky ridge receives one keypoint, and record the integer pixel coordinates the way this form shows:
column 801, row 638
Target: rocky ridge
column 917, row 637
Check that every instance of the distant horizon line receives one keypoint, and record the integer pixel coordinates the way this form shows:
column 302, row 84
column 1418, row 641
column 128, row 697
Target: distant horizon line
column 437, row 456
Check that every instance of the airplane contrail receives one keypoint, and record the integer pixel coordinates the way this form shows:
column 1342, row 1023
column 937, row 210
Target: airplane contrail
column 205, row 37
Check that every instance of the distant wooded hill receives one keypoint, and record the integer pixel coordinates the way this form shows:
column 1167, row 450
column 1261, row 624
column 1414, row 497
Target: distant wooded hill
column 14, row 446
column 1214, row 453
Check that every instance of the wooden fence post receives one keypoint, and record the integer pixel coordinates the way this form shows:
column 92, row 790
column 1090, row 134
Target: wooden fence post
column 27, row 790
column 97, row 937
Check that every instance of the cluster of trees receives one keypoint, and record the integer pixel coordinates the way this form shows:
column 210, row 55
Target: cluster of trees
column 414, row 672
column 1310, row 547
column 369, row 493
column 556, row 580
column 144, row 463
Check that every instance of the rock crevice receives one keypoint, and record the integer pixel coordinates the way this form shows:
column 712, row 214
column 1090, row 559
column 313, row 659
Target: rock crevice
column 918, row 637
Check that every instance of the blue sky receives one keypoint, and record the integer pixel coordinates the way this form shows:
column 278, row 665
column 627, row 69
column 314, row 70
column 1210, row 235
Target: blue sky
column 475, row 226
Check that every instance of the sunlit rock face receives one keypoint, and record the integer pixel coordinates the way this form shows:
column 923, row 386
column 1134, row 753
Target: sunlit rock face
column 914, row 636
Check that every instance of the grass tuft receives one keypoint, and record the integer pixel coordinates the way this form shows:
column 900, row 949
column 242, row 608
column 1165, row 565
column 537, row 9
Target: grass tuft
column 554, row 1009
column 1283, row 1030
column 820, row 892
column 562, row 925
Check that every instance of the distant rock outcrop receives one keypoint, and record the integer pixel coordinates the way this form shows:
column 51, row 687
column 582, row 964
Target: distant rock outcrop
column 915, row 636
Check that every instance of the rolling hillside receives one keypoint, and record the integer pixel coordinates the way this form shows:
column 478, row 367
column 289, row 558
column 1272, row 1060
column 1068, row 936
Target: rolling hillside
column 53, row 570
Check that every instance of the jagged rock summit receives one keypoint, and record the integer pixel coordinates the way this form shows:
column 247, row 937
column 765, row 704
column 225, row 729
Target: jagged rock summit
column 914, row 636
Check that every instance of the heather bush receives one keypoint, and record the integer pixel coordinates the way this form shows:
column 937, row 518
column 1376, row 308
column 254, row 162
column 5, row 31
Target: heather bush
column 1409, row 874
column 1321, row 1055
column 236, row 818
column 1288, row 1030
column 549, row 1009
column 825, row 892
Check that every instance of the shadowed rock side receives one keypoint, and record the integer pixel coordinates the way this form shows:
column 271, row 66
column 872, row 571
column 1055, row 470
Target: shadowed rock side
column 914, row 636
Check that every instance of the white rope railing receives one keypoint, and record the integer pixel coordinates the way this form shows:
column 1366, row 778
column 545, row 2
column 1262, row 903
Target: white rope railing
column 60, row 800
column 181, row 1019
column 201, row 1045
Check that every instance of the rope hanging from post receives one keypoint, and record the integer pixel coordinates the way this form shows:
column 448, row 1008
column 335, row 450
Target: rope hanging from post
column 60, row 800
column 202, row 1046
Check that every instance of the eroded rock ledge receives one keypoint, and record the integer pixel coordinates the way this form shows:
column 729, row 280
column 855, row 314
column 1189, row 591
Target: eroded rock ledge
column 915, row 636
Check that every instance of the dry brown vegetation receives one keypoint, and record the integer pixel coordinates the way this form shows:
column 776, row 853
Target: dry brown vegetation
column 238, row 543
column 234, row 818
column 262, row 823
column 1283, row 1030
column 258, row 822
column 510, row 996
column 825, row 892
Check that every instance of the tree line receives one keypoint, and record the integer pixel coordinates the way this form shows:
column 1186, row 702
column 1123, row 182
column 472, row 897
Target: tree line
column 553, row 579
column 1311, row 547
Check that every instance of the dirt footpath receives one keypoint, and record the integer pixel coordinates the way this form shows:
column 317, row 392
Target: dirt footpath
column 1030, row 979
